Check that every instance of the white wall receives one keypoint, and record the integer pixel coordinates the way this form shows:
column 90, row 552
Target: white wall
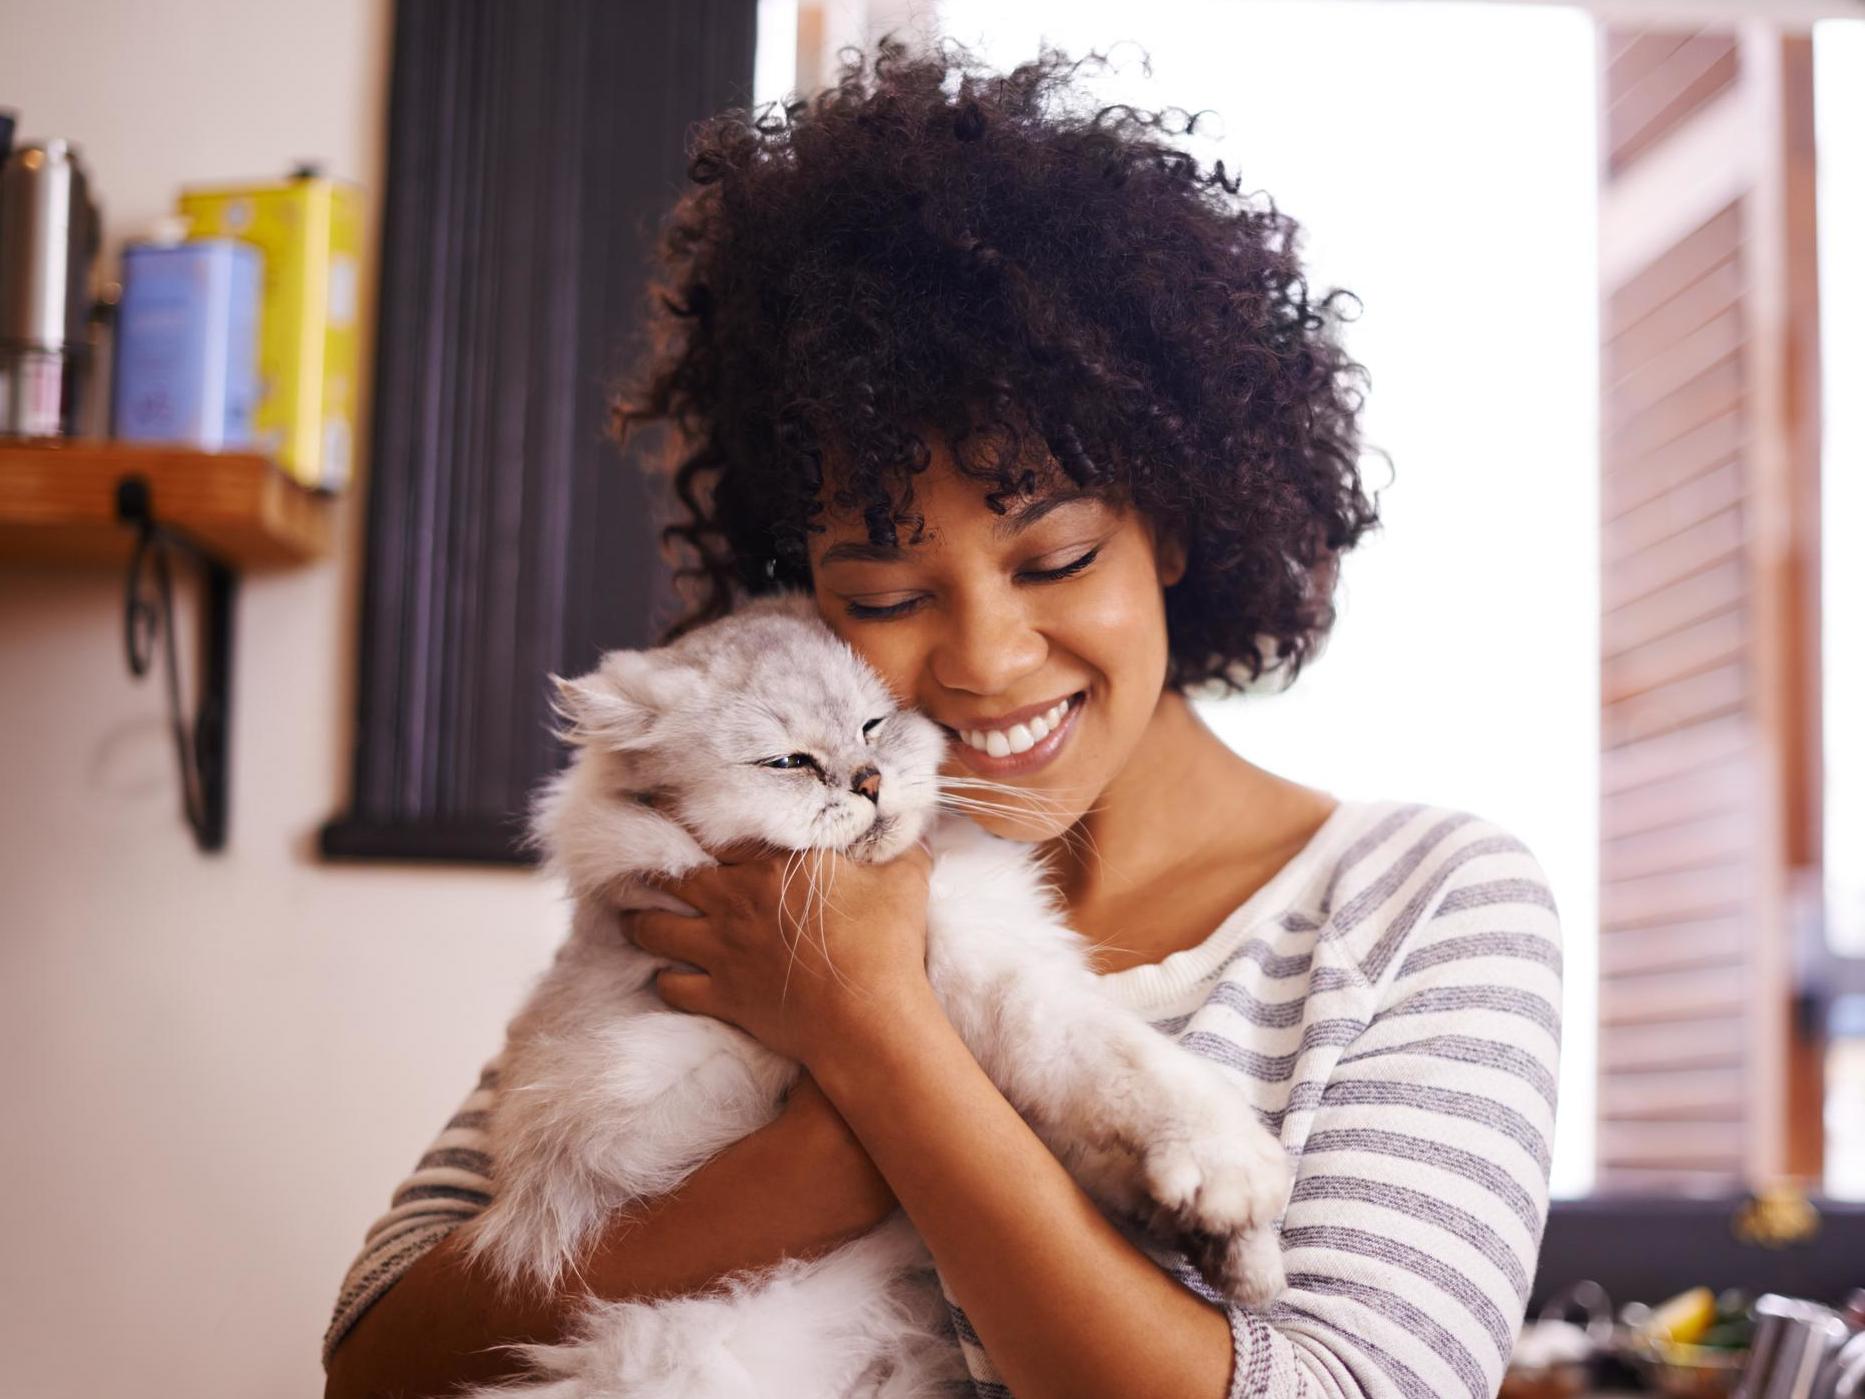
column 215, row 1068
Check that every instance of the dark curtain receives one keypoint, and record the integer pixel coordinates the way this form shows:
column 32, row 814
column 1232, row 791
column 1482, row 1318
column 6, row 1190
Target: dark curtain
column 532, row 150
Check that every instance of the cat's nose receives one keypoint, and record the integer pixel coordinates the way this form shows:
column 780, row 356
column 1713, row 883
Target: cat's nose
column 868, row 783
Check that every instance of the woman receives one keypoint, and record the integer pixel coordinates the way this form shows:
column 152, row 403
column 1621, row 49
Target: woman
column 1045, row 418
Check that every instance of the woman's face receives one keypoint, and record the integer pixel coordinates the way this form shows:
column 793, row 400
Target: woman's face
column 1036, row 638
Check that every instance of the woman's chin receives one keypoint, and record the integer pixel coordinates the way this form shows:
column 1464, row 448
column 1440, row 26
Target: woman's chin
column 1031, row 826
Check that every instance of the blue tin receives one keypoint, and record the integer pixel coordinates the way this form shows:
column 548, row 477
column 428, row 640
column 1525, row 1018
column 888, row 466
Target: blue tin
column 187, row 344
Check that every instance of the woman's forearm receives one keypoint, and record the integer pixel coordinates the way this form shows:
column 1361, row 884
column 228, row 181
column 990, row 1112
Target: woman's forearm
column 790, row 1189
column 1065, row 1306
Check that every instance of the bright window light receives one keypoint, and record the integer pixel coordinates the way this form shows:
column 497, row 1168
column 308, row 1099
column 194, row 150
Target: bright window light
column 1442, row 160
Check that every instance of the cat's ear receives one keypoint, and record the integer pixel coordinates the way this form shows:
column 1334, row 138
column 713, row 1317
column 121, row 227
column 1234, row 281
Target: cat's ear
column 617, row 705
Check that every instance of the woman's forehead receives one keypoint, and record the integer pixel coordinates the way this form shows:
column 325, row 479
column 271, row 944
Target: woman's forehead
column 947, row 508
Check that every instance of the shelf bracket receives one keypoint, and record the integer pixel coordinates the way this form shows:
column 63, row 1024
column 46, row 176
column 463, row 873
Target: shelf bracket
column 149, row 610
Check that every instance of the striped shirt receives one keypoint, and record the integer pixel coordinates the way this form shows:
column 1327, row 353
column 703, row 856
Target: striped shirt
column 1389, row 1001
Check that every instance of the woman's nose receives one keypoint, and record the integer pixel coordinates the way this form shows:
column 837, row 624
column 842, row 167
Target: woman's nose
column 985, row 649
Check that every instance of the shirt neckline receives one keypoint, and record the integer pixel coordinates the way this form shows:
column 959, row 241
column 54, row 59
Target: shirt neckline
column 1151, row 984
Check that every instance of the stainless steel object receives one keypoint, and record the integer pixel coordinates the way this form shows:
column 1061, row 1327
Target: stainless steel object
column 49, row 238
column 1844, row 1375
column 1794, row 1340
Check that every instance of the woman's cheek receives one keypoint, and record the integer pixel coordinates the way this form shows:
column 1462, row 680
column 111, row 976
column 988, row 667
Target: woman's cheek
column 1118, row 626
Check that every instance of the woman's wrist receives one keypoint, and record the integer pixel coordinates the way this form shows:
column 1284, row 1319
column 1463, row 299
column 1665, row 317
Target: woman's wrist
column 873, row 1064
column 868, row 1030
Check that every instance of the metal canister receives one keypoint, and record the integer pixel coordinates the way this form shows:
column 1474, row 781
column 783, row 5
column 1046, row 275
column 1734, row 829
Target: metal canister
column 1844, row 1375
column 1794, row 1340
column 50, row 234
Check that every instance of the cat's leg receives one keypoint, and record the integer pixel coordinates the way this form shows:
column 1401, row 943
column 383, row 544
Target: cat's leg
column 1149, row 1128
column 1146, row 1126
column 866, row 1321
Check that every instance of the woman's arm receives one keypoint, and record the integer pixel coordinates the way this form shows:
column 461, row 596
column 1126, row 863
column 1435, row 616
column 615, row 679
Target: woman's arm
column 797, row 1186
column 1061, row 1301
column 1064, row 1305
column 1413, row 1227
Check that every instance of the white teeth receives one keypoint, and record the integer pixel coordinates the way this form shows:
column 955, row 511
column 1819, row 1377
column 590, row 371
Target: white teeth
column 1018, row 738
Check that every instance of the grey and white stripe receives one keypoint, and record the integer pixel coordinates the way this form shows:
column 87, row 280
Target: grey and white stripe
column 1389, row 1003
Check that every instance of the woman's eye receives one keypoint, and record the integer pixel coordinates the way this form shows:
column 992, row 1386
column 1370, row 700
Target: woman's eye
column 868, row 612
column 791, row 760
column 1074, row 566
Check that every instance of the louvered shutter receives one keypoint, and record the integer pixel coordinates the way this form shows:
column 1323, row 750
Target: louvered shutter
column 1709, row 664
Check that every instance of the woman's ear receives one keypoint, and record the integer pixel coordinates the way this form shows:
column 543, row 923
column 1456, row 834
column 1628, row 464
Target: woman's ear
column 1170, row 555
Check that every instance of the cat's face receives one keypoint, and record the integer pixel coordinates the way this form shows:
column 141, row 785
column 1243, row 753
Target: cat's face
column 763, row 726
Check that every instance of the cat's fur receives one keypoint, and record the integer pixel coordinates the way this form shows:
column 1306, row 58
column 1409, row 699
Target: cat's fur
column 609, row 1097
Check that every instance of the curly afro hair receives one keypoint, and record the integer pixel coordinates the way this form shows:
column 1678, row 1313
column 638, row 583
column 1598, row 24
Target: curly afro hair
column 933, row 247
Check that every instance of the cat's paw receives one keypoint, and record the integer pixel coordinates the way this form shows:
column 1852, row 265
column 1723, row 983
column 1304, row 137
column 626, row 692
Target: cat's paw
column 1217, row 1188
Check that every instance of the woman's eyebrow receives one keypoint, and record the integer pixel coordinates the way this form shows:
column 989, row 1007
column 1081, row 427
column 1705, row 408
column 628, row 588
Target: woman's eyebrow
column 1021, row 519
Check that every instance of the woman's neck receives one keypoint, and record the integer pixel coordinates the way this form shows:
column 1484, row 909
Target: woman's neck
column 1156, row 810
column 1187, row 830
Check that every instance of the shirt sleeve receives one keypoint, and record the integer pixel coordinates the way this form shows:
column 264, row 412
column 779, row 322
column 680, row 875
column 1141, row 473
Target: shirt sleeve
column 451, row 1183
column 1421, row 1193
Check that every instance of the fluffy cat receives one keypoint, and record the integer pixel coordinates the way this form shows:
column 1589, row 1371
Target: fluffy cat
column 608, row 1096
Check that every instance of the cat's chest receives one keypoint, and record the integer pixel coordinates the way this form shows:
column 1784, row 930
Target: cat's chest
column 996, row 880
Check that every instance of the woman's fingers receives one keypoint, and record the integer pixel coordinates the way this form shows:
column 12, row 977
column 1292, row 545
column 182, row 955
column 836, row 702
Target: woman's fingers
column 701, row 888
column 687, row 888
column 674, row 936
column 686, row 991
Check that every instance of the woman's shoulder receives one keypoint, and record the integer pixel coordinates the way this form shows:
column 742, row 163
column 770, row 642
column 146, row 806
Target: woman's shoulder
column 1423, row 835
column 1407, row 876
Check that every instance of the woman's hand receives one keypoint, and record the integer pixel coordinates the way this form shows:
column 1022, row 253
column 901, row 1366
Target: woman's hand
column 804, row 951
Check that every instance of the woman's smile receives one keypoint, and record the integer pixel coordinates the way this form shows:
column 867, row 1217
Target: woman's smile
column 1019, row 743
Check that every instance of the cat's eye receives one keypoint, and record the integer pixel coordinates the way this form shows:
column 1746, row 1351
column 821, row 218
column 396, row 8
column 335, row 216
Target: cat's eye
column 791, row 760
column 871, row 725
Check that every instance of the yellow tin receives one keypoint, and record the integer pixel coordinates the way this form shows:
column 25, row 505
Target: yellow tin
column 309, row 230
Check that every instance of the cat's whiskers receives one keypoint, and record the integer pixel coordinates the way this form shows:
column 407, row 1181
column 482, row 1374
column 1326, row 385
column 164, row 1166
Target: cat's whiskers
column 807, row 861
column 1076, row 837
column 822, row 917
column 816, row 898
column 1055, row 796
column 791, row 864
column 820, row 900
column 956, row 801
column 1045, row 803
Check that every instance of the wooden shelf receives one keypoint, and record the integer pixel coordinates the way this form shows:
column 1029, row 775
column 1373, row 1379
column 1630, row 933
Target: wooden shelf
column 58, row 504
